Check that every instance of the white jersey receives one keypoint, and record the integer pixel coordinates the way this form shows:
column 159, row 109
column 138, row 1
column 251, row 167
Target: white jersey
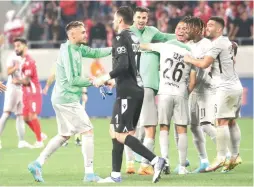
column 223, row 69
column 11, row 62
column 174, row 72
column 203, row 81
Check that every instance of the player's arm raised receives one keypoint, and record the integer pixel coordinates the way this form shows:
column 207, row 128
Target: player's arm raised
column 206, row 61
column 95, row 52
column 72, row 76
column 152, row 46
column 160, row 36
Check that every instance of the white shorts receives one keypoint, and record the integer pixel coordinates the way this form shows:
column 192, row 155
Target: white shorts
column 149, row 113
column 173, row 106
column 71, row 119
column 13, row 101
column 201, row 108
column 228, row 103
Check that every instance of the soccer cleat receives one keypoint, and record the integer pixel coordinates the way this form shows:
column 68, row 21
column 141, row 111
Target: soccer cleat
column 166, row 169
column 231, row 164
column 202, row 167
column 182, row 170
column 44, row 136
column 91, row 177
column 38, row 144
column 158, row 167
column 187, row 163
column 23, row 144
column 130, row 169
column 145, row 170
column 217, row 163
column 110, row 180
column 36, row 171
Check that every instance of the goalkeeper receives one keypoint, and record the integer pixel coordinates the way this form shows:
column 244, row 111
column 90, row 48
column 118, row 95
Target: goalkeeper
column 70, row 115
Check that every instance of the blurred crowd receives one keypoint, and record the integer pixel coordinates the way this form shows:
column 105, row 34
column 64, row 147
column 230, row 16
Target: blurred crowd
column 49, row 18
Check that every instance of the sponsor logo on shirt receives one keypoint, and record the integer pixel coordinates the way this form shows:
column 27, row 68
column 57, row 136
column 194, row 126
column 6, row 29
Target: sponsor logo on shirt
column 121, row 50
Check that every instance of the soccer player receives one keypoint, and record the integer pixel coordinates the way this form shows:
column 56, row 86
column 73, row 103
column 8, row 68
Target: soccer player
column 31, row 90
column 228, row 93
column 177, row 80
column 129, row 99
column 49, row 82
column 201, row 101
column 13, row 100
column 70, row 115
column 149, row 71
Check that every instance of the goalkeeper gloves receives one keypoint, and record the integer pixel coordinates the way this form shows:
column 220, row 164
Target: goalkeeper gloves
column 104, row 91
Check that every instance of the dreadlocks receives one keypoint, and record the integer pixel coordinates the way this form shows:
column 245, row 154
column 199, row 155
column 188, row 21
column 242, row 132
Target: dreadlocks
column 195, row 23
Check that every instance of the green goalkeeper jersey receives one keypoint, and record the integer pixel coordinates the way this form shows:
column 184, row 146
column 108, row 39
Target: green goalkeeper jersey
column 69, row 83
column 149, row 61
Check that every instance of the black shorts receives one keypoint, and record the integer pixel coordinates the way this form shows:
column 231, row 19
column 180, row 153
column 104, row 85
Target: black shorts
column 126, row 113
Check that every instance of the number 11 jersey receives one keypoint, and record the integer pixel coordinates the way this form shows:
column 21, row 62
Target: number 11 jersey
column 174, row 72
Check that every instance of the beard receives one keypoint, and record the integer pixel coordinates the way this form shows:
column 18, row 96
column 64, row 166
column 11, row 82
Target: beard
column 19, row 53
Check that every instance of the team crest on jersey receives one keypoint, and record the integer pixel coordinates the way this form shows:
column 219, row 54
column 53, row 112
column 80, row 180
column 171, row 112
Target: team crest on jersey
column 118, row 37
column 134, row 38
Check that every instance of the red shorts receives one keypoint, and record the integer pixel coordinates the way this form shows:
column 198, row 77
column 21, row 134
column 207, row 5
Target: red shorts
column 32, row 104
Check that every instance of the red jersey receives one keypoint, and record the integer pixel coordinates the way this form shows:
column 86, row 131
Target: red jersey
column 29, row 70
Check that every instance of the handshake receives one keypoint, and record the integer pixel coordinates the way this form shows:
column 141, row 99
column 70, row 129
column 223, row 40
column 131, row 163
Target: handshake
column 104, row 83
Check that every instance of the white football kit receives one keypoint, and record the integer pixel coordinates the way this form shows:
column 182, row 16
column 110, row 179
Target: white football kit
column 13, row 95
column 174, row 78
column 228, row 86
column 202, row 99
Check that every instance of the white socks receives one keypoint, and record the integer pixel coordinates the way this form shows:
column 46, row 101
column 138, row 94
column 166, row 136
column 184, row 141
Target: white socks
column 20, row 127
column 149, row 144
column 222, row 139
column 88, row 152
column 3, row 120
column 235, row 137
column 199, row 141
column 129, row 154
column 164, row 143
column 182, row 148
column 210, row 130
column 52, row 146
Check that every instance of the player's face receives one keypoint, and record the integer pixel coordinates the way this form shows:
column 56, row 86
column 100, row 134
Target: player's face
column 211, row 29
column 79, row 35
column 193, row 32
column 116, row 22
column 19, row 48
column 140, row 20
column 180, row 32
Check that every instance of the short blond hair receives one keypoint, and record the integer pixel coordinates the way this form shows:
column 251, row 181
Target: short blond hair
column 74, row 24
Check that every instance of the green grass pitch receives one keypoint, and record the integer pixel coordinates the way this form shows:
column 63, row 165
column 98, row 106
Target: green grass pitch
column 65, row 167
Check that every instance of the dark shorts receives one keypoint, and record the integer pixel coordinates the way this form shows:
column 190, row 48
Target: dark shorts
column 126, row 113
